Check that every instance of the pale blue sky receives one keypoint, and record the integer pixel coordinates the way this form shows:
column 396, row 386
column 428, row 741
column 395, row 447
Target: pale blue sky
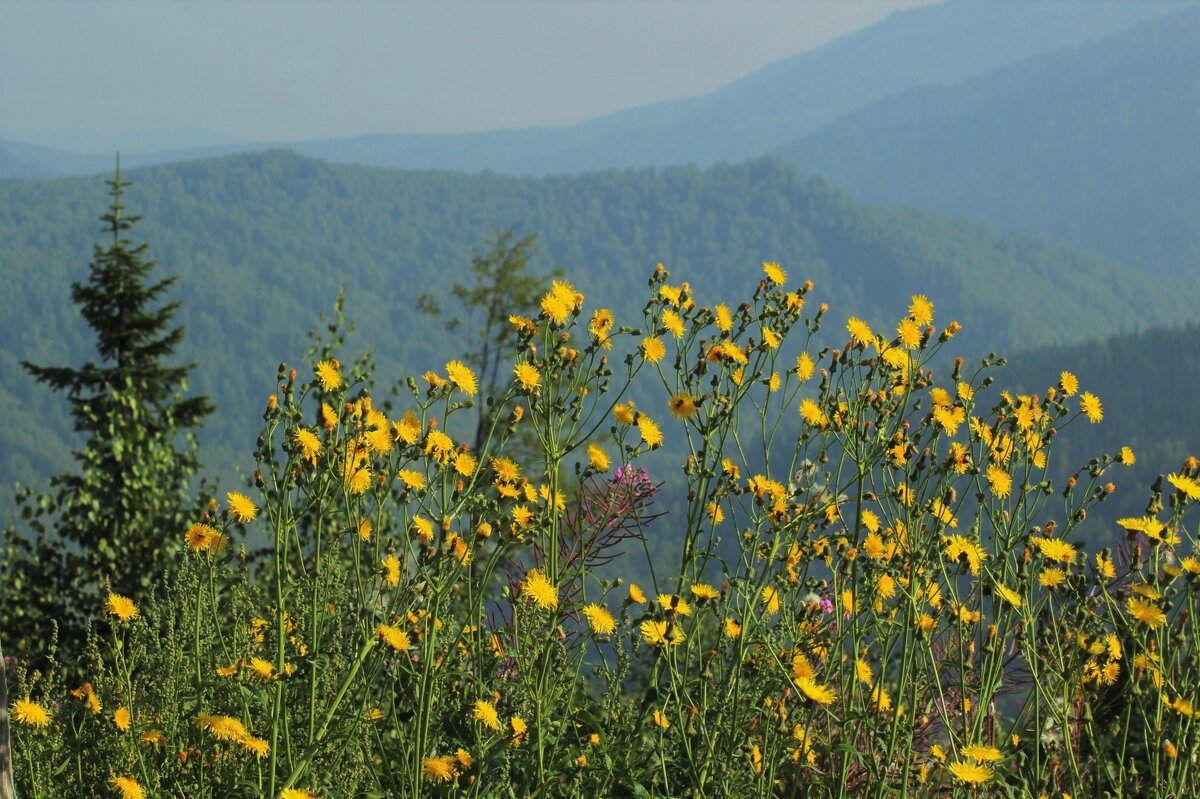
column 296, row 70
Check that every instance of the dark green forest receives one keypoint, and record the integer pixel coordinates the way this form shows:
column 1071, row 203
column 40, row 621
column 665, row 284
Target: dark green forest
column 263, row 243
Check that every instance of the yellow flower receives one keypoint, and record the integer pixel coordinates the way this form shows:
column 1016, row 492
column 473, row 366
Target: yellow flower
column 659, row 719
column 309, row 444
column 330, row 375
column 241, row 508
column 1052, row 578
column 733, row 629
column 989, row 754
column 202, row 537
column 600, row 327
column 154, row 737
column 770, row 598
column 224, row 728
column 439, row 446
column 958, row 546
column 1008, row 595
column 804, row 366
column 465, row 464
column 649, row 430
column 556, row 308
column 297, row 793
column 359, row 482
column 257, row 746
column 464, row 758
column 441, row 769
column 391, row 570
column 673, row 323
column 682, row 405
column 624, row 414
column 821, row 694
column 1089, row 403
column 598, row 458
column 122, row 719
column 265, row 669
column 704, row 592
column 1146, row 612
column 655, row 632
column 943, row 514
column 461, row 375
column 1055, row 549
column 540, row 590
column 1000, row 481
column 121, row 607
column 970, row 773
column 812, row 414
column 30, row 713
column 1126, row 456
column 653, row 349
column 1150, row 526
column 775, row 273
column 860, row 331
column 528, row 377
column 485, row 713
column 909, row 334
column 636, row 595
column 863, row 671
column 412, row 479
column 921, row 310
column 599, row 619
column 1069, row 383
column 1185, row 484
column 673, row 604
column 723, row 317
column 127, row 787
column 519, row 728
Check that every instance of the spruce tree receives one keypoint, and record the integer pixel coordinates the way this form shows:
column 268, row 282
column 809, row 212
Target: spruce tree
column 118, row 519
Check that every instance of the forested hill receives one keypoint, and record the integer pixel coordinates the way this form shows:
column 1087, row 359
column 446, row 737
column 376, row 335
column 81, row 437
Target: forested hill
column 1098, row 147
column 262, row 243
column 1147, row 382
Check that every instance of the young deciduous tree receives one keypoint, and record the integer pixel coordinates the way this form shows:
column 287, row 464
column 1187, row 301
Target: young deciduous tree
column 119, row 519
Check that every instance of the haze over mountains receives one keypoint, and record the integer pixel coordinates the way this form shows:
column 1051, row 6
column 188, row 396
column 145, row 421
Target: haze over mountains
column 1074, row 122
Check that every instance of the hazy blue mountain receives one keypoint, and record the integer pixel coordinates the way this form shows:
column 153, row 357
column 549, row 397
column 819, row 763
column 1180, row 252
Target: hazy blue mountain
column 934, row 45
column 1097, row 146
column 262, row 243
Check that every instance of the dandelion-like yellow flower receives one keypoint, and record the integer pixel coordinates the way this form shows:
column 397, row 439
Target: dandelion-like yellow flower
column 1152, row 527
column 653, row 349
column 527, row 375
column 970, row 773
column 649, row 430
column 1055, row 549
column 723, row 317
column 770, row 598
column 655, row 632
column 308, row 444
column 412, row 479
column 485, row 713
column 241, row 508
column 439, row 446
column 30, row 713
column 1089, row 403
column 599, row 619
column 330, row 375
column 1052, row 578
column 391, row 570
column 989, row 754
column 704, row 592
column 821, row 694
column 1069, row 384
column 263, row 669
column 636, row 595
column 659, row 719
column 860, row 332
column 598, row 458
column 682, row 405
column 804, row 366
column 556, row 309
column 1147, row 613
column 775, row 273
column 812, row 414
column 394, row 637
column 540, row 590
column 909, row 334
column 122, row 719
column 461, row 376
column 1008, row 595
column 673, row 323
column 1000, row 481
column 958, row 547
column 1186, row 484
column 202, row 537
column 440, row 769
column 224, row 728
column 127, row 787
column 121, row 607
column 519, row 728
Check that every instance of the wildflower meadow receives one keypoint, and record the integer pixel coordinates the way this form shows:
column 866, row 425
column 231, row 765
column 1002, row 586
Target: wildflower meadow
column 886, row 587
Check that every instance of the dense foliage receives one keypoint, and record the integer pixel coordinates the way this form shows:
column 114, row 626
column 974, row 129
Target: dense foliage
column 130, row 484
column 906, row 609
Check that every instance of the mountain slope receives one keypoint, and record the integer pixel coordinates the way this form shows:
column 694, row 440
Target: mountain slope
column 1098, row 147
column 262, row 244
column 933, row 45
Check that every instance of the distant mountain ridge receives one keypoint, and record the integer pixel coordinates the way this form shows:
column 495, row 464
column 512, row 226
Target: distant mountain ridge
column 933, row 45
column 262, row 243
column 1097, row 147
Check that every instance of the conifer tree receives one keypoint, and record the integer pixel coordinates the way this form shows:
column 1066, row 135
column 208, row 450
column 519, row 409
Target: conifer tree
column 118, row 520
